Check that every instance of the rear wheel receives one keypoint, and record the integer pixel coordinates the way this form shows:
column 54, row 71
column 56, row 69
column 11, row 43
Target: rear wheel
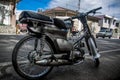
column 23, row 58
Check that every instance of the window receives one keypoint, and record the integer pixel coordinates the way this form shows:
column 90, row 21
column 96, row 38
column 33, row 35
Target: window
column 109, row 21
column 105, row 20
column 59, row 14
column 102, row 30
column 116, row 30
column 117, row 24
column 114, row 22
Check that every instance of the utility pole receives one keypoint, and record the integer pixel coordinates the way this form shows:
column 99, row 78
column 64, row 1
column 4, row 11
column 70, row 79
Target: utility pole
column 79, row 1
column 79, row 28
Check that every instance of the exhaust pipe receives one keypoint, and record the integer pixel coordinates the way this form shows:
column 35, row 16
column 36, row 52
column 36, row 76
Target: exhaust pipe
column 53, row 63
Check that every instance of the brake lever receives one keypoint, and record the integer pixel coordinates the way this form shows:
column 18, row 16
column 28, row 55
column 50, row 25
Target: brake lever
column 96, row 13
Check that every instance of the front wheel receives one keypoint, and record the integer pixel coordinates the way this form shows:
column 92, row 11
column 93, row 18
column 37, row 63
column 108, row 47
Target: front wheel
column 96, row 62
column 23, row 57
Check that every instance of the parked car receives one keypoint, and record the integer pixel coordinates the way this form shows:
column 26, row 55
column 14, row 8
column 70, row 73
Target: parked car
column 105, row 33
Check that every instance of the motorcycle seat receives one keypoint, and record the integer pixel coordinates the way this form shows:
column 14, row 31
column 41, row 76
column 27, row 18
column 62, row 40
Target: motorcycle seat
column 32, row 16
column 59, row 23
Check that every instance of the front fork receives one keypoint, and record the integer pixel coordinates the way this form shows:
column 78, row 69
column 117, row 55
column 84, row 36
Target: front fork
column 92, row 47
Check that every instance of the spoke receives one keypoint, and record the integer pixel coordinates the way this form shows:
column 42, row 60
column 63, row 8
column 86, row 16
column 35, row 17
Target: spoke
column 35, row 44
column 32, row 69
column 46, row 52
column 21, row 57
column 24, row 66
column 23, row 61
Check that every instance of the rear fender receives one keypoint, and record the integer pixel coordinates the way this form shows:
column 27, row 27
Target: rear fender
column 51, row 40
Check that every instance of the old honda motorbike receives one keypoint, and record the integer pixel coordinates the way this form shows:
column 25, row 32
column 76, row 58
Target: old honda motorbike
column 46, row 46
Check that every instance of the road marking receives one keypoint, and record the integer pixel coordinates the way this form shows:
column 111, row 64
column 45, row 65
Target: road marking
column 10, row 63
column 106, row 51
column 106, row 42
column 109, row 51
column 5, row 63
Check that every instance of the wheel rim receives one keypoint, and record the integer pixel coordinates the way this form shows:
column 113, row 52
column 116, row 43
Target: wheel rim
column 23, row 63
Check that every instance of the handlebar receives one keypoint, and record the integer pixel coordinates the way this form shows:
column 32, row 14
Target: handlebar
column 85, row 14
column 93, row 11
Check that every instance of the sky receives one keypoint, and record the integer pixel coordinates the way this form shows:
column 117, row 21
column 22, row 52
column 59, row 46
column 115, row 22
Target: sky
column 109, row 7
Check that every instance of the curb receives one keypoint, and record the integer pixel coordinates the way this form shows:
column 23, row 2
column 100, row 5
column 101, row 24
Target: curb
column 11, row 34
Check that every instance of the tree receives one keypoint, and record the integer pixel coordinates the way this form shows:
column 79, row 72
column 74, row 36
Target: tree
column 3, row 12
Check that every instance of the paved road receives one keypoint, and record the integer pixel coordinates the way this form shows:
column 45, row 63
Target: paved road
column 7, row 43
column 109, row 68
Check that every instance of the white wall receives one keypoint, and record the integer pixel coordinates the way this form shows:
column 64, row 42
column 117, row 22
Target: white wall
column 18, row 12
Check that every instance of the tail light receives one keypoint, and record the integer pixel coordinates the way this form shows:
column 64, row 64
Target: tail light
column 22, row 26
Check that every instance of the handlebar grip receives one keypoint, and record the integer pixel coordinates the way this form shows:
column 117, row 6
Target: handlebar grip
column 98, row 8
column 91, row 11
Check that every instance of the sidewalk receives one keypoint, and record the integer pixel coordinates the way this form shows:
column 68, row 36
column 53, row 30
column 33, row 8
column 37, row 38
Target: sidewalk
column 12, row 34
column 8, row 34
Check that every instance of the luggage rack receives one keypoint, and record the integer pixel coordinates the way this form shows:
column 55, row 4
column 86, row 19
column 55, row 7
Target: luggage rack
column 34, row 21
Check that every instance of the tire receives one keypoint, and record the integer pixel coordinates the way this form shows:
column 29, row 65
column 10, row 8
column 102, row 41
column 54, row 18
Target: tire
column 96, row 62
column 93, row 51
column 30, row 71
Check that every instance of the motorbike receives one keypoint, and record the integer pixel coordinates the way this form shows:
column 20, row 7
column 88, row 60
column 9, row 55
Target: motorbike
column 46, row 45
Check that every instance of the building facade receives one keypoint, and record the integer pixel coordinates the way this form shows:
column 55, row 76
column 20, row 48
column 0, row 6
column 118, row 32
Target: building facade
column 59, row 12
column 109, row 22
column 117, row 30
column 8, row 16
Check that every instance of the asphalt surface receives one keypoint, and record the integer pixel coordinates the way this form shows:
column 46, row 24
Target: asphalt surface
column 109, row 68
